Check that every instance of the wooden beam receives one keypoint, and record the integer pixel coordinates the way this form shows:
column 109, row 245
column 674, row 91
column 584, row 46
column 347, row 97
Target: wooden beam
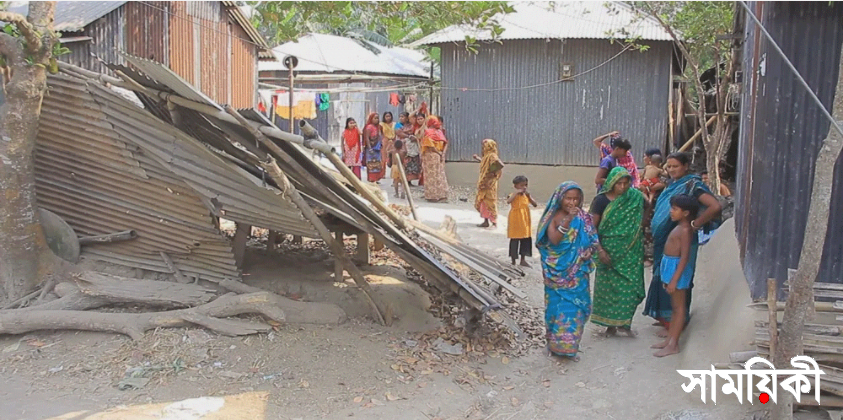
column 108, row 238
column 363, row 255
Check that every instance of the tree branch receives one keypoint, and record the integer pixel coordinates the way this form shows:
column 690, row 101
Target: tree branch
column 30, row 34
column 11, row 48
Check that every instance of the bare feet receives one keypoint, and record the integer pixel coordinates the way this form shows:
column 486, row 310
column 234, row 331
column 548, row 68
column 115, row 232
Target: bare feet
column 628, row 332
column 525, row 264
column 656, row 324
column 611, row 331
column 667, row 351
column 485, row 224
column 661, row 345
column 661, row 333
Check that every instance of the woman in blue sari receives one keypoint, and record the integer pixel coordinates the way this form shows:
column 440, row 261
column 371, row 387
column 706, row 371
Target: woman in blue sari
column 681, row 182
column 567, row 242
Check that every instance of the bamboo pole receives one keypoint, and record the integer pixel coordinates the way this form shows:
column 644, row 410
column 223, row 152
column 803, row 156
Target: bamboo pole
column 396, row 160
column 290, row 191
column 696, row 135
column 773, row 311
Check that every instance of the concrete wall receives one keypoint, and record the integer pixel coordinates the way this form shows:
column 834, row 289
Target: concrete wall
column 543, row 179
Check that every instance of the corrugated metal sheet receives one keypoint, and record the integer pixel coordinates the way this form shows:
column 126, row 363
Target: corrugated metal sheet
column 554, row 124
column 216, row 61
column 108, row 36
column 167, row 77
column 237, row 15
column 100, row 181
column 322, row 53
column 561, row 20
column 72, row 16
column 244, row 72
column 148, row 29
column 181, row 42
column 781, row 132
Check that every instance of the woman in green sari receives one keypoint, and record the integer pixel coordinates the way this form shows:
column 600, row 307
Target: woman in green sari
column 617, row 212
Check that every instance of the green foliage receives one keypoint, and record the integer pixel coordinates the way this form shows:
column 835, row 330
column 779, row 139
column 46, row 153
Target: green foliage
column 386, row 22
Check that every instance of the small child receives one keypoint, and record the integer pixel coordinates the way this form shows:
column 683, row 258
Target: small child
column 519, row 230
column 398, row 147
column 651, row 176
column 676, row 272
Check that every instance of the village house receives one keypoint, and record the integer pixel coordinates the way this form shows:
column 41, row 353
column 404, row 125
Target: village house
column 560, row 77
column 781, row 132
column 359, row 77
column 209, row 44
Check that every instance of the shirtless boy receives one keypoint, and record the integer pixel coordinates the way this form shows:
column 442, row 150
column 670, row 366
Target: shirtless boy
column 675, row 271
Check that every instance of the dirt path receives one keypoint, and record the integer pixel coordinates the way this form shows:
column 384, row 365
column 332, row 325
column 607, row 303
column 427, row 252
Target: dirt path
column 346, row 371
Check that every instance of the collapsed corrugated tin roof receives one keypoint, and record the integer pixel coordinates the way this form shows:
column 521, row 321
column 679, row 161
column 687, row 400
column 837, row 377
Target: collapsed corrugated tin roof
column 321, row 53
column 211, row 162
column 561, row 20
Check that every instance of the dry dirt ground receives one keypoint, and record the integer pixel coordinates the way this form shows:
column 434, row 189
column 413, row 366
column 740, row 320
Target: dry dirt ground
column 361, row 370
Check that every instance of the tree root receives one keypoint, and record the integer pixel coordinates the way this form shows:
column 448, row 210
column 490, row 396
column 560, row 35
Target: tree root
column 135, row 325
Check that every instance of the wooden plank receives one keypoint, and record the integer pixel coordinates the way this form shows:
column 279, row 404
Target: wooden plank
column 772, row 291
column 820, row 306
column 363, row 255
column 823, row 286
column 809, row 328
column 241, row 236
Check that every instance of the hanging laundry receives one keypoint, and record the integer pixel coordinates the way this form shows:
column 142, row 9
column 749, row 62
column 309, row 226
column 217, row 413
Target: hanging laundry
column 393, row 99
column 401, row 99
column 304, row 107
column 324, row 100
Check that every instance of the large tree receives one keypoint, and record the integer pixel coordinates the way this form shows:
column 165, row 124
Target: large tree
column 26, row 44
column 383, row 22
column 698, row 28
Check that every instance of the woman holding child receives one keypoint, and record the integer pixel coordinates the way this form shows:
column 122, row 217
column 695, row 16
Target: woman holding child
column 567, row 242
column 681, row 182
column 619, row 286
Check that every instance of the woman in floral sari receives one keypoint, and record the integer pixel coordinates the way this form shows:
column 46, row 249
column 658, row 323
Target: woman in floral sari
column 351, row 150
column 567, row 242
column 491, row 168
column 434, row 145
column 373, row 142
column 658, row 304
column 404, row 131
column 619, row 287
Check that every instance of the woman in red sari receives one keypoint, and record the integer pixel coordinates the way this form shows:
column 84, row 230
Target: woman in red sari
column 373, row 142
column 351, row 147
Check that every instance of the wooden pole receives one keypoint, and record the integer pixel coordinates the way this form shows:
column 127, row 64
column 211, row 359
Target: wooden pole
column 396, row 160
column 772, row 308
column 181, row 278
column 292, row 127
column 290, row 191
column 696, row 135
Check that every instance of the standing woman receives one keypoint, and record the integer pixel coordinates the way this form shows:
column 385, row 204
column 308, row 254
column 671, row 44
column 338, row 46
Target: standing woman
column 434, row 145
column 491, row 168
column 567, row 242
column 373, row 143
column 681, row 182
column 412, row 163
column 619, row 286
column 387, row 127
column 351, row 147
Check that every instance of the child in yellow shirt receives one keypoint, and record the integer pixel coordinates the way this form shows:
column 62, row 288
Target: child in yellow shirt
column 520, row 228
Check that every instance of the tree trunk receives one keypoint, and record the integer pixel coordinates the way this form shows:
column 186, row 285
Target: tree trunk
column 22, row 240
column 801, row 296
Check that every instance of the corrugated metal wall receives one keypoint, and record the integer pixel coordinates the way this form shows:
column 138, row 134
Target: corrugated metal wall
column 108, row 35
column 780, row 135
column 148, row 30
column 244, row 69
column 181, row 43
column 554, row 124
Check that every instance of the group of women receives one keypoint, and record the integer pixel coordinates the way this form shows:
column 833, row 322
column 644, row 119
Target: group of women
column 609, row 240
column 424, row 146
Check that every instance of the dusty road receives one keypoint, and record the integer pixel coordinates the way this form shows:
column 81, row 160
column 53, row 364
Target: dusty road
column 309, row 372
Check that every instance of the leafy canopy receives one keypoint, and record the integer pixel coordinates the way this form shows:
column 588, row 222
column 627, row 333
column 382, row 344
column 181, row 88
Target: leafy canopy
column 385, row 22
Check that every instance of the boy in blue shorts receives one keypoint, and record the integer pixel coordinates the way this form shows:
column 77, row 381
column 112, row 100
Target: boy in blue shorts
column 675, row 272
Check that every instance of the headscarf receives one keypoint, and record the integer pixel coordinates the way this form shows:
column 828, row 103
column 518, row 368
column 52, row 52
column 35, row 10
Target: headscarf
column 371, row 128
column 433, row 136
column 616, row 174
column 490, row 156
column 622, row 217
column 567, row 265
column 555, row 203
column 351, row 137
